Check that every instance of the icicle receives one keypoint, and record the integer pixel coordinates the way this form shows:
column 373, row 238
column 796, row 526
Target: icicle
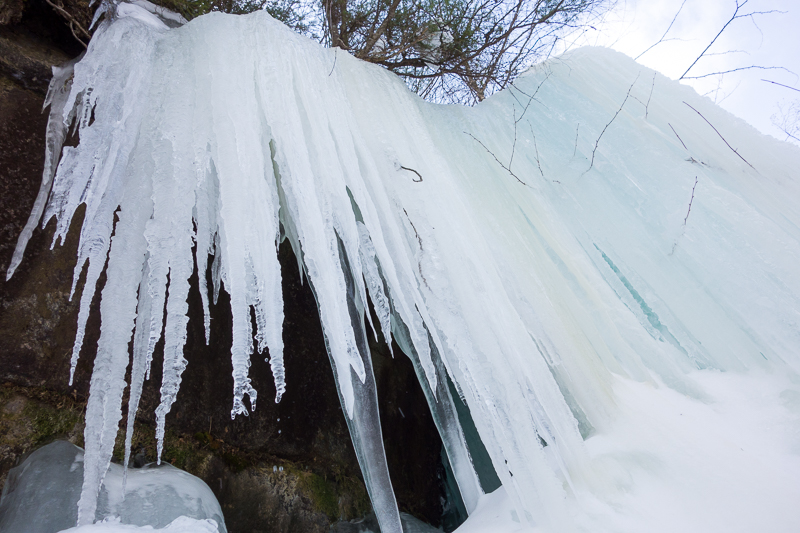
column 364, row 420
column 204, row 219
column 57, row 98
column 118, row 309
column 375, row 285
column 138, row 367
column 174, row 340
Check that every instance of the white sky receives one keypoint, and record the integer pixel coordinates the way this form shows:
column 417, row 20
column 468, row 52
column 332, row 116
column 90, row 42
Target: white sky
column 766, row 40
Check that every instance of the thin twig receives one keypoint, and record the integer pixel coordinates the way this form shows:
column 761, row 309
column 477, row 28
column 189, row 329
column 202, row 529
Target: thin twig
column 652, row 86
column 498, row 161
column 421, row 249
column 785, row 130
column 661, row 40
column 64, row 13
column 690, row 202
column 514, row 144
column 597, row 142
column 536, row 148
column 782, row 85
column 685, row 219
column 72, row 29
column 575, row 150
column 758, row 67
column 334, row 62
column 789, row 134
column 524, row 110
column 419, row 239
column 735, row 16
column 721, row 137
column 415, row 172
column 530, row 97
column 678, row 136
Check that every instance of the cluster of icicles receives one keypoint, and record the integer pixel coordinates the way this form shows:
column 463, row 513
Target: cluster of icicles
column 224, row 181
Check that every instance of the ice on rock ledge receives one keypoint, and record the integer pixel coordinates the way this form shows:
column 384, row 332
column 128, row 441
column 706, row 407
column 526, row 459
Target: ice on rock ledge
column 531, row 257
column 41, row 496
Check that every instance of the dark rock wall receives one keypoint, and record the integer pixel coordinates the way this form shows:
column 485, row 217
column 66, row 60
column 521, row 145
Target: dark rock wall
column 286, row 467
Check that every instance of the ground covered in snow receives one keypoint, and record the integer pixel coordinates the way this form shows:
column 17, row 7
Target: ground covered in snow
column 729, row 463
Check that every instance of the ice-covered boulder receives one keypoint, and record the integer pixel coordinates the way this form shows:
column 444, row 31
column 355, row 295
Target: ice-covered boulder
column 41, row 496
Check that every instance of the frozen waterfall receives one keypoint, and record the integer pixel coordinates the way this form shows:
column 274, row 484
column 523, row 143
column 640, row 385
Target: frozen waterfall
column 591, row 239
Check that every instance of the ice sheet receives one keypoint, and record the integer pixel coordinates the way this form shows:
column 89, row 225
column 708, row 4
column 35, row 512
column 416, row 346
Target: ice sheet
column 596, row 222
column 41, row 496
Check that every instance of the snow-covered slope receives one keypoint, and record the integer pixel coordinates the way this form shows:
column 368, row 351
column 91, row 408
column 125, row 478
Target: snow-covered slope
column 582, row 254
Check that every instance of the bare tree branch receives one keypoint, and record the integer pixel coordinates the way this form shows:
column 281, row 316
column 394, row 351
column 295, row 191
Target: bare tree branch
column 575, row 150
column 334, row 62
column 73, row 23
column 736, row 15
column 415, row 172
column 690, row 202
column 597, row 142
column 650, row 97
column 735, row 70
column 498, row 161
column 678, row 136
column 782, row 85
column 720, row 136
column 686, row 218
column 536, row 148
column 661, row 40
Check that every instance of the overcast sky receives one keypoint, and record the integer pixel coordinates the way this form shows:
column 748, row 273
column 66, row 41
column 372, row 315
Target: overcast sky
column 767, row 40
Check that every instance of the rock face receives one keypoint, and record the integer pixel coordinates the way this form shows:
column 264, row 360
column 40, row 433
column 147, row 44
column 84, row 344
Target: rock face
column 286, row 467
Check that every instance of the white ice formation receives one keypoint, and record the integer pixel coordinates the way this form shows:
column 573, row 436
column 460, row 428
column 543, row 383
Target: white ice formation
column 41, row 495
column 595, row 220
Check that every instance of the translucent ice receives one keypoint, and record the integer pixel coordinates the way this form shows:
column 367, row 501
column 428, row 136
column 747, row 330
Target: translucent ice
column 41, row 495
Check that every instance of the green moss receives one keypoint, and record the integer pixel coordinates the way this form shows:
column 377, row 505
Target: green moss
column 182, row 452
column 48, row 422
column 205, row 439
column 322, row 494
column 235, row 462
column 354, row 498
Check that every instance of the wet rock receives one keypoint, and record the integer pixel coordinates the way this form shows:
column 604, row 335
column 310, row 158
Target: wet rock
column 10, row 11
column 30, row 418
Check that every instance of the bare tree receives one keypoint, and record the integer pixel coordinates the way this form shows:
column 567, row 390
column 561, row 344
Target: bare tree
column 454, row 51
column 787, row 119
column 739, row 13
column 450, row 51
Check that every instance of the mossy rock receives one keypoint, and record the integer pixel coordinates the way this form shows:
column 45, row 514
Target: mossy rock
column 32, row 417
column 322, row 494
